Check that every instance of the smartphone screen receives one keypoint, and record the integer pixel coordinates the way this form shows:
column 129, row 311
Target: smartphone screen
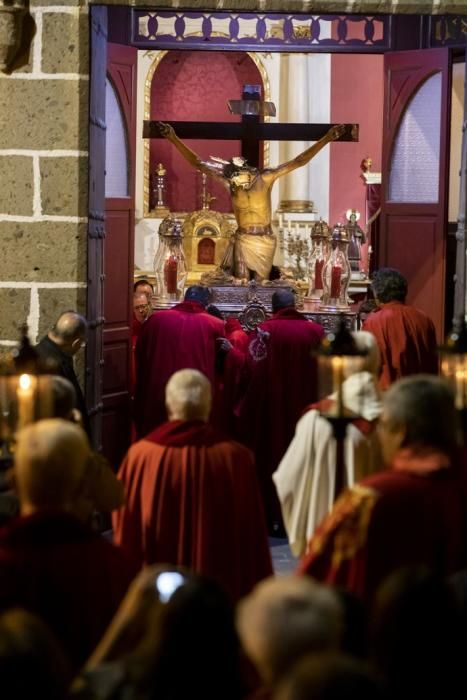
column 167, row 583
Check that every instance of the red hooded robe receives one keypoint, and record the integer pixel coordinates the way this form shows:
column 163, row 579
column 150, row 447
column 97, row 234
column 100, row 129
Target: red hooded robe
column 179, row 338
column 406, row 340
column 277, row 380
column 412, row 514
column 193, row 499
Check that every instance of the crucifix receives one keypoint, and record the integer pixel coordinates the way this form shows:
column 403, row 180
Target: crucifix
column 252, row 251
column 251, row 131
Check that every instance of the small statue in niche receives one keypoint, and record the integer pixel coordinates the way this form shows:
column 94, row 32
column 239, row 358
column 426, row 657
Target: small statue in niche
column 356, row 239
column 159, row 189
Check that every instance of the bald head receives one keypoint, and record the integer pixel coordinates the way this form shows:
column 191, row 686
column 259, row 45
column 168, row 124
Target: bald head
column 69, row 331
column 188, row 396
column 50, row 462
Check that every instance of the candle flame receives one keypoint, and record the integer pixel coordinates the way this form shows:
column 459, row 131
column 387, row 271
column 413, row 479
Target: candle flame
column 25, row 381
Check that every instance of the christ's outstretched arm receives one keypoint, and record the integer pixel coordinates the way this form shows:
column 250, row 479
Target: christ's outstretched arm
column 333, row 134
column 193, row 158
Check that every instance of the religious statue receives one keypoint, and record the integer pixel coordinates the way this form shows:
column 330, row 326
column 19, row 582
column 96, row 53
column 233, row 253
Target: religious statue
column 252, row 248
column 158, row 191
column 356, row 239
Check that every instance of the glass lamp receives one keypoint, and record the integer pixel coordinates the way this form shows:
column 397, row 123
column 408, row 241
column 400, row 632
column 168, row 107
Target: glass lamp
column 453, row 356
column 170, row 263
column 336, row 272
column 320, row 236
column 26, row 395
column 338, row 359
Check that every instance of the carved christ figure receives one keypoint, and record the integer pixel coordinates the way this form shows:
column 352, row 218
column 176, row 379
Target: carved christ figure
column 254, row 244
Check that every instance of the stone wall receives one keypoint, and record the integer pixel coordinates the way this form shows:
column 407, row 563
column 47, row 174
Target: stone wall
column 44, row 171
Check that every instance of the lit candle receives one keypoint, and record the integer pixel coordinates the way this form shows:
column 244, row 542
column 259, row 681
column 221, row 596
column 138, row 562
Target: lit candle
column 25, row 395
column 460, row 383
column 337, row 380
column 171, row 266
column 335, row 282
column 319, row 274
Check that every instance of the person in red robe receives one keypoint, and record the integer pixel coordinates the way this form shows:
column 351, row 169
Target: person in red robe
column 405, row 335
column 277, row 379
column 412, row 513
column 141, row 312
column 51, row 563
column 184, row 336
column 192, row 495
column 236, row 334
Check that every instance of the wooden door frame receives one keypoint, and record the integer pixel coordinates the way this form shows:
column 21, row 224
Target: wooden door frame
column 96, row 229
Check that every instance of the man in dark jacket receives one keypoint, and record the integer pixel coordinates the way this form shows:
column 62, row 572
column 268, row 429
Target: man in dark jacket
column 57, row 350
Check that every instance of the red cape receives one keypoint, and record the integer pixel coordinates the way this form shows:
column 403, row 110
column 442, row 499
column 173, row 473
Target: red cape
column 71, row 577
column 413, row 514
column 235, row 333
column 182, row 337
column 406, row 339
column 274, row 391
column 193, row 499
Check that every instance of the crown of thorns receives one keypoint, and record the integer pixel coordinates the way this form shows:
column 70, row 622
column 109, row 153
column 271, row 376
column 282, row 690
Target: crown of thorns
column 220, row 163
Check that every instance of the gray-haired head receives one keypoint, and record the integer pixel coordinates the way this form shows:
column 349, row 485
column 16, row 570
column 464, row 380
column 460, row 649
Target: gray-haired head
column 388, row 285
column 188, row 395
column 421, row 409
column 283, row 618
column 50, row 462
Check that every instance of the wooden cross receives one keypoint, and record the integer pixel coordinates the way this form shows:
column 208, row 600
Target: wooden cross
column 250, row 131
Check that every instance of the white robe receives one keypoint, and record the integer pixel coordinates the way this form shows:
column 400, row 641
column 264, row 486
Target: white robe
column 305, row 476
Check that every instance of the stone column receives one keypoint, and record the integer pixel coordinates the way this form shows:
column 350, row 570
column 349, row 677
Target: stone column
column 294, row 107
column 44, row 171
column 305, row 96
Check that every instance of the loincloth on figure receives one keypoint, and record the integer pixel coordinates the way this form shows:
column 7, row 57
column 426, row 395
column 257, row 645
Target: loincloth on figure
column 252, row 248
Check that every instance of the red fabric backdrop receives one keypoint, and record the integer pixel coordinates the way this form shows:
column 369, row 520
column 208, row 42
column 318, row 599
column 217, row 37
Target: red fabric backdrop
column 195, row 86
column 357, row 86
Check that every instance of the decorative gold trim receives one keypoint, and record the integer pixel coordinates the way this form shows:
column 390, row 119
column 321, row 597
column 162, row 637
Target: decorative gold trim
column 296, row 205
column 147, row 115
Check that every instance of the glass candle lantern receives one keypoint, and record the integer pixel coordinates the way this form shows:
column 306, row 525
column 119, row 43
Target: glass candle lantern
column 320, row 236
column 336, row 272
column 24, row 399
column 170, row 263
column 339, row 362
column 454, row 364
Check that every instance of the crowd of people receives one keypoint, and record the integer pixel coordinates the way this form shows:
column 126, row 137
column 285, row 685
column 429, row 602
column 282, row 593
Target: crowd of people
column 179, row 599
